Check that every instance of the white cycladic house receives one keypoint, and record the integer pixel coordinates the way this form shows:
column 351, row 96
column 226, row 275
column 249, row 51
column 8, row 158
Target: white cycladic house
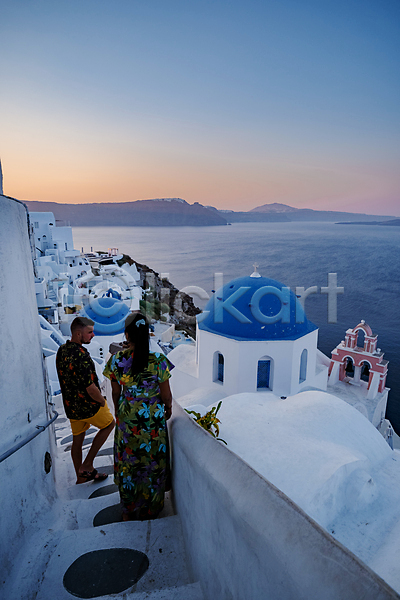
column 252, row 336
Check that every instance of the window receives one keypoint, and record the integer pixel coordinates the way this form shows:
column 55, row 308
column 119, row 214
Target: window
column 264, row 374
column 365, row 368
column 349, row 367
column 303, row 366
column 218, row 369
column 360, row 338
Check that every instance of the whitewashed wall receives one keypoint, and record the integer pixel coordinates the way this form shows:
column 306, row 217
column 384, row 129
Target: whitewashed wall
column 241, row 360
column 246, row 540
column 26, row 490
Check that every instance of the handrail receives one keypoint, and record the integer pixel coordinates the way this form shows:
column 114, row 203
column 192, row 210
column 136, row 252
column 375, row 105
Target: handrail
column 40, row 429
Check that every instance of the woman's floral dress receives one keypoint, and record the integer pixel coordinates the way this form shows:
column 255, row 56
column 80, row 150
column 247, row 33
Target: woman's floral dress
column 140, row 444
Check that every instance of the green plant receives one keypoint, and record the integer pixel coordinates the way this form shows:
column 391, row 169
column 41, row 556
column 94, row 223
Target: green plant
column 209, row 421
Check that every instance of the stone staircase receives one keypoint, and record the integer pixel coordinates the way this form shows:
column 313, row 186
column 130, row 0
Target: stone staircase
column 92, row 553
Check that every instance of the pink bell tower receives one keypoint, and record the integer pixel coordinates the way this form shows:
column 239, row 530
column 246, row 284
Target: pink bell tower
column 351, row 363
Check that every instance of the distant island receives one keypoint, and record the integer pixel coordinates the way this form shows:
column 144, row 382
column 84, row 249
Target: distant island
column 171, row 212
column 283, row 212
column 391, row 222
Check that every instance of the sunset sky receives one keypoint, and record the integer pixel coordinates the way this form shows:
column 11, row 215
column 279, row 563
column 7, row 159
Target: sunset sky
column 228, row 103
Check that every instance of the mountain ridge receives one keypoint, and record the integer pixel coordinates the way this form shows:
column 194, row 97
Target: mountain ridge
column 155, row 212
column 158, row 212
column 283, row 212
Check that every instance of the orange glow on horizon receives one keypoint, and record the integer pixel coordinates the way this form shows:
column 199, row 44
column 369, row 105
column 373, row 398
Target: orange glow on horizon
column 224, row 188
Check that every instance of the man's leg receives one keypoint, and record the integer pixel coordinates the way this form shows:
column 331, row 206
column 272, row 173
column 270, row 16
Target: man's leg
column 97, row 443
column 76, row 451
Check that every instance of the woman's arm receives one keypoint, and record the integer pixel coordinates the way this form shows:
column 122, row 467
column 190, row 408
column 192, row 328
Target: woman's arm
column 115, row 392
column 166, row 397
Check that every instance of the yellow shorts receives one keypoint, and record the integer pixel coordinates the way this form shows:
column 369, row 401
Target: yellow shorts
column 101, row 419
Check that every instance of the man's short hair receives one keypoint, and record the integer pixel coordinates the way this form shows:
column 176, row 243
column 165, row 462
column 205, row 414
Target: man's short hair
column 80, row 323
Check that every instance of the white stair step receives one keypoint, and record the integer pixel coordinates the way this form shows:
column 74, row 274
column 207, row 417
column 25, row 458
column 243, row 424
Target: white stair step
column 161, row 540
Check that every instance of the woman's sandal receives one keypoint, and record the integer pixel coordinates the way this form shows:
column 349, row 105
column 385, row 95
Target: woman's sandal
column 91, row 476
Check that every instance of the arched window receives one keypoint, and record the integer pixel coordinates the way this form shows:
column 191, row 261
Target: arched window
column 349, row 367
column 360, row 338
column 218, row 367
column 264, row 373
column 303, row 366
column 365, row 367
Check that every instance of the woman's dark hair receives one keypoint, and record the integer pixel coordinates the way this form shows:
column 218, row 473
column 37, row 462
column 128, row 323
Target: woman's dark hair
column 137, row 333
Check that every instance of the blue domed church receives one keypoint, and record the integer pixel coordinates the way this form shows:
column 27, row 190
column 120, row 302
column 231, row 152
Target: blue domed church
column 253, row 336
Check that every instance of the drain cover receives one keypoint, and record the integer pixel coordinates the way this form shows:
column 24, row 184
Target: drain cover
column 105, row 572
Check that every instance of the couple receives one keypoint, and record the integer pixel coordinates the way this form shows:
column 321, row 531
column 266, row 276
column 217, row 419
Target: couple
column 142, row 400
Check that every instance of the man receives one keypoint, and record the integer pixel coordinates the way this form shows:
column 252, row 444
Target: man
column 83, row 402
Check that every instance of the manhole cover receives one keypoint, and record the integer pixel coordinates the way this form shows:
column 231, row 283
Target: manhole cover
column 105, row 572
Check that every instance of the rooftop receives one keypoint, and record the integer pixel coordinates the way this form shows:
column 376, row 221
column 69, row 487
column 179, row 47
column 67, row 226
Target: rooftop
column 255, row 308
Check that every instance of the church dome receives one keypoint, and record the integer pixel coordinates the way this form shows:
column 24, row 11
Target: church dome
column 108, row 314
column 255, row 308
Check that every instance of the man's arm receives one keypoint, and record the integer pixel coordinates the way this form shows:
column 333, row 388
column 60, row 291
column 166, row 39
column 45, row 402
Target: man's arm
column 95, row 394
column 166, row 397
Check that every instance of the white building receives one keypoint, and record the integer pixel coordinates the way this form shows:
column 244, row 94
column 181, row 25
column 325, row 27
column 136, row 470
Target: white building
column 55, row 246
column 252, row 337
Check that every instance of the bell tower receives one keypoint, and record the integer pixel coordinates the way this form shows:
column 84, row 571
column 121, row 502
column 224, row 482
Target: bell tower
column 349, row 361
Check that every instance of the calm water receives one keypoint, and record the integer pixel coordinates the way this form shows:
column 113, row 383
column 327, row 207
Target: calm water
column 366, row 259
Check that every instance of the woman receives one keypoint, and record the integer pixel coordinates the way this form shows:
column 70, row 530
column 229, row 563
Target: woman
column 142, row 400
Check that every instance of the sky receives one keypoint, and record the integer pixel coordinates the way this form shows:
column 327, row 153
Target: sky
column 233, row 104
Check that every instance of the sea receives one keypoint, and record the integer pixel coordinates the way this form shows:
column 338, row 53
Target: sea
column 365, row 259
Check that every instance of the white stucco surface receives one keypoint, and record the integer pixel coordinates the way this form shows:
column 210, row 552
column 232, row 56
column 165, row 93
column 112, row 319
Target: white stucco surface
column 195, row 365
column 245, row 538
column 27, row 492
column 330, row 460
